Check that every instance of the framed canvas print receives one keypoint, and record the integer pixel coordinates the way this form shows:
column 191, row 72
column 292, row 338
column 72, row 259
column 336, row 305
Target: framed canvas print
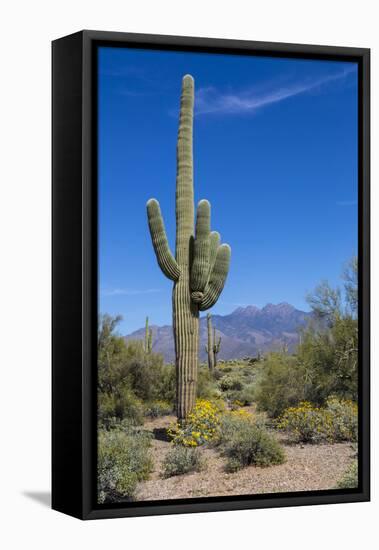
column 210, row 275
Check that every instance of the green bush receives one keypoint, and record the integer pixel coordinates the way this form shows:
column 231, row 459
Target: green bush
column 234, row 420
column 144, row 371
column 247, row 394
column 329, row 343
column 330, row 359
column 230, row 382
column 182, row 460
column 123, row 460
column 217, row 374
column 244, row 397
column 350, row 478
column 122, row 404
column 206, row 386
column 280, row 385
column 127, row 375
column 344, row 414
column 166, row 384
column 154, row 409
column 244, row 441
column 224, row 368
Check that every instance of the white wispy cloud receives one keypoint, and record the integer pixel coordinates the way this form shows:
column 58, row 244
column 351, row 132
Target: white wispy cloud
column 211, row 100
column 128, row 291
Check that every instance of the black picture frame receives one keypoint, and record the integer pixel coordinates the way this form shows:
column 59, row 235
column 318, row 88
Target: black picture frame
column 74, row 273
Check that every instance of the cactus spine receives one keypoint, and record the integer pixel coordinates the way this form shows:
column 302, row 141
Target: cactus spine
column 148, row 337
column 200, row 266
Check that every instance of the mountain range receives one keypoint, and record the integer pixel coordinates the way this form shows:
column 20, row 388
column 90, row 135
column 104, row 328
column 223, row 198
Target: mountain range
column 244, row 332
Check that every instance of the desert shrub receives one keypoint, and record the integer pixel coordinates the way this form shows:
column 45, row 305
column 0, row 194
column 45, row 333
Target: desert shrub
column 329, row 356
column 344, row 415
column 206, row 387
column 166, row 384
column 329, row 348
column 200, row 426
column 230, row 382
column 224, row 368
column 181, row 460
column 123, row 460
column 126, row 374
column 217, row 374
column 235, row 403
column 232, row 420
column 338, row 421
column 280, row 385
column 244, row 441
column 247, row 395
column 154, row 409
column 143, row 371
column 306, row 423
column 243, row 397
column 121, row 404
column 350, row 478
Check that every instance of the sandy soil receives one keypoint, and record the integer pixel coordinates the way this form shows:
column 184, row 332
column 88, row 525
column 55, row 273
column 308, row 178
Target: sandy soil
column 308, row 467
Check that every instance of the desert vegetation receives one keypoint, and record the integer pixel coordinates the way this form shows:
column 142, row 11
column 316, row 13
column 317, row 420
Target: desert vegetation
column 256, row 420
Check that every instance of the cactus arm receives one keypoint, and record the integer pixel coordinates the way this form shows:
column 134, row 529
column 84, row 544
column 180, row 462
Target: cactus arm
column 213, row 247
column 200, row 264
column 165, row 259
column 217, row 277
column 216, row 346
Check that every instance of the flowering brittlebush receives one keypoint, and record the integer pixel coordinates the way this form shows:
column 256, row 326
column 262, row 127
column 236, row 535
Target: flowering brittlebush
column 337, row 421
column 200, row 426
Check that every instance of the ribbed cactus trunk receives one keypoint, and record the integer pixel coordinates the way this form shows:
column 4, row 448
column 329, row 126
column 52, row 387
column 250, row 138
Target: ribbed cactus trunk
column 148, row 337
column 216, row 347
column 209, row 347
column 185, row 312
column 200, row 266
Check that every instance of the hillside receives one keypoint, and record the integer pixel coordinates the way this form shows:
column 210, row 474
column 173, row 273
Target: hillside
column 244, row 332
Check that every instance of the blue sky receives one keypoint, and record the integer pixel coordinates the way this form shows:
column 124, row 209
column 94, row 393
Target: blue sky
column 275, row 152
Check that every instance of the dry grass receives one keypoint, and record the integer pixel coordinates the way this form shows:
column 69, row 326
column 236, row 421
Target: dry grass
column 308, row 467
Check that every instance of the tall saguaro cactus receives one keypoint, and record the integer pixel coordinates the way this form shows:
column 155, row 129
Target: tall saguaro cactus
column 214, row 344
column 148, row 337
column 216, row 347
column 200, row 266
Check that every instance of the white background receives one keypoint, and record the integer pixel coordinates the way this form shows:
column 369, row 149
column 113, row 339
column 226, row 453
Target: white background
column 26, row 31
